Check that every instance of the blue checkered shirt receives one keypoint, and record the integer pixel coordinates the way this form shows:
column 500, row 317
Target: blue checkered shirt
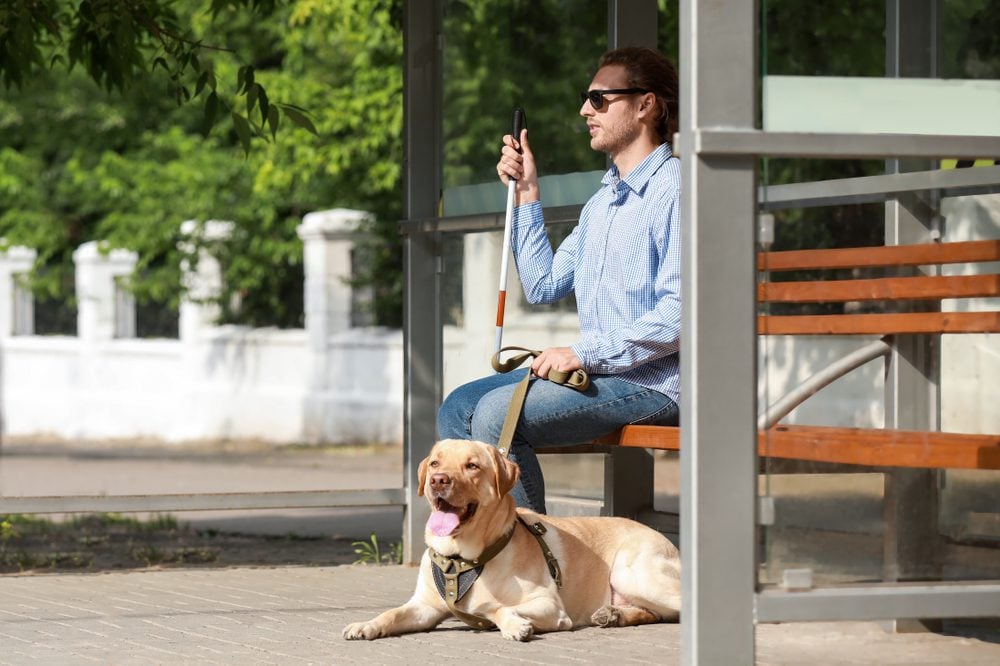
column 623, row 260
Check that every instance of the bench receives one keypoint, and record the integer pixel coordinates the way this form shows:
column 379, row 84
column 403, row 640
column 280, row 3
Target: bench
column 910, row 297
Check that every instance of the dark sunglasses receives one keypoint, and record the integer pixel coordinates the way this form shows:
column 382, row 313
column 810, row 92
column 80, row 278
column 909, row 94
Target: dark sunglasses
column 596, row 97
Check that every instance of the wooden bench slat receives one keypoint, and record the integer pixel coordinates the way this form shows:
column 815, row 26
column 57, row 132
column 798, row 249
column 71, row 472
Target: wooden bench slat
column 932, row 287
column 890, row 255
column 884, row 448
column 880, row 324
column 856, row 446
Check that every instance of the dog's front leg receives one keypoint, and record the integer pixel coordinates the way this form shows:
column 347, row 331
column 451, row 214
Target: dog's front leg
column 414, row 615
column 541, row 614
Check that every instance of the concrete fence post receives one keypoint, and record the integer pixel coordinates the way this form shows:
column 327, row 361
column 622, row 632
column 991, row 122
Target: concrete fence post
column 99, row 310
column 16, row 305
column 203, row 281
column 328, row 238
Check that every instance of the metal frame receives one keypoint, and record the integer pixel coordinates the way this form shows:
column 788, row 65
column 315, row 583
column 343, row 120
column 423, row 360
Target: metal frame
column 422, row 324
column 723, row 141
column 875, row 189
column 296, row 499
column 718, row 348
column 911, row 545
column 879, row 602
column 717, row 462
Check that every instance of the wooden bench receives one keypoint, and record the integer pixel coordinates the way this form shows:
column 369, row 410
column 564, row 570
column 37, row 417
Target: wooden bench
column 849, row 446
column 864, row 446
column 911, row 306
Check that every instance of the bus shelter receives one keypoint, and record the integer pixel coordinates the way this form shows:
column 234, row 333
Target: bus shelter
column 933, row 104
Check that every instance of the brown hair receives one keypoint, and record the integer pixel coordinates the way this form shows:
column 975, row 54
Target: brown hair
column 649, row 69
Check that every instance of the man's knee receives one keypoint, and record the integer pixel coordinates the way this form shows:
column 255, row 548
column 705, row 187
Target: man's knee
column 487, row 420
column 452, row 419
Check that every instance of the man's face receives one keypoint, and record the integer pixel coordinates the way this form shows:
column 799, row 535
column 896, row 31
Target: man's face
column 614, row 126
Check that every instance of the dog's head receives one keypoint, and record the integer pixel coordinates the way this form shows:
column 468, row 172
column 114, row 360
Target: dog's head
column 465, row 479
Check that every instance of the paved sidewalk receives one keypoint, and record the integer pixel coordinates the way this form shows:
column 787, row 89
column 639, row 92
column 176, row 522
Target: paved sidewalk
column 293, row 615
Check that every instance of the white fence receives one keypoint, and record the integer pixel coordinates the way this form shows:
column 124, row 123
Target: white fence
column 332, row 383
column 325, row 383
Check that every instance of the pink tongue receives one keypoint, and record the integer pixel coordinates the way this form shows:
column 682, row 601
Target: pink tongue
column 442, row 523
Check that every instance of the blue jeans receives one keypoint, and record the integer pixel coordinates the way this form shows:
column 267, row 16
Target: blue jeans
column 553, row 415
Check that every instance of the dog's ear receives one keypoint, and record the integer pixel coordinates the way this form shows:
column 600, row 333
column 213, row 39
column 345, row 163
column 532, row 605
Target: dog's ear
column 507, row 472
column 422, row 476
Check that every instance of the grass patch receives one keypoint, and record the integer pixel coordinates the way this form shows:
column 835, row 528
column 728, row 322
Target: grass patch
column 110, row 541
column 369, row 552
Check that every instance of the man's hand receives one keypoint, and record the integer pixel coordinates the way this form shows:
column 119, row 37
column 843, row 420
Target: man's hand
column 519, row 166
column 555, row 358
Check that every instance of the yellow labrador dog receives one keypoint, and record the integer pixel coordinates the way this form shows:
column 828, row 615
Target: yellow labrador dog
column 607, row 571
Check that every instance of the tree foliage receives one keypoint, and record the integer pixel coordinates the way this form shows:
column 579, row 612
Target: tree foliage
column 112, row 157
column 123, row 118
column 119, row 42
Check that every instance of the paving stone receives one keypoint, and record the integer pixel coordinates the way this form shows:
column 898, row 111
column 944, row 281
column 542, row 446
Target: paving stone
column 294, row 615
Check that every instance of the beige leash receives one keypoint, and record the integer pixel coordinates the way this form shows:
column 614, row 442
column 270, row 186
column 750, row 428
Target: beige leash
column 577, row 380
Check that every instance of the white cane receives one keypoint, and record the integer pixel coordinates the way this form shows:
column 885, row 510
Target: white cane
column 519, row 123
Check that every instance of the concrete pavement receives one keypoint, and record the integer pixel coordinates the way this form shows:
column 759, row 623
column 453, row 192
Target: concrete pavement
column 293, row 615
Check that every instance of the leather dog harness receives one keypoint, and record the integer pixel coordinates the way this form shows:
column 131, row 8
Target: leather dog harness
column 454, row 575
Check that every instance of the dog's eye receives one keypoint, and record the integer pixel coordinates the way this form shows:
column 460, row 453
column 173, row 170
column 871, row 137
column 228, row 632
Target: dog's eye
column 472, row 466
column 434, row 463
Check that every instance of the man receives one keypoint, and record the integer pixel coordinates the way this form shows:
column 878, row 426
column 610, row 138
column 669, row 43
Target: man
column 622, row 261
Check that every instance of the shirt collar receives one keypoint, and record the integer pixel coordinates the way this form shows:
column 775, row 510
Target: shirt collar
column 637, row 180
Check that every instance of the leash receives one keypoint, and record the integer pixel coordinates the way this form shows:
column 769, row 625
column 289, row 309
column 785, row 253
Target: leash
column 577, row 380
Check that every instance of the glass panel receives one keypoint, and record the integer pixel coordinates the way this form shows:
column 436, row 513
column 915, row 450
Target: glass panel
column 498, row 55
column 840, row 73
column 469, row 300
column 970, row 499
column 835, row 71
column 841, row 522
column 880, row 105
column 469, row 304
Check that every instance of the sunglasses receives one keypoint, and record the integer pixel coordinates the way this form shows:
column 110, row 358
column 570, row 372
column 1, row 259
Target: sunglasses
column 596, row 97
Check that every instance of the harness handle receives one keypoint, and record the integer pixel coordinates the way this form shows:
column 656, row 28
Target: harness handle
column 577, row 380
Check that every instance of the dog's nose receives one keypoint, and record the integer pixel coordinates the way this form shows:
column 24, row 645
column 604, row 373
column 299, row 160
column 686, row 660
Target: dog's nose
column 440, row 481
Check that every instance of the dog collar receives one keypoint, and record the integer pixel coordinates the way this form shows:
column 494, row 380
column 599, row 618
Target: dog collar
column 454, row 575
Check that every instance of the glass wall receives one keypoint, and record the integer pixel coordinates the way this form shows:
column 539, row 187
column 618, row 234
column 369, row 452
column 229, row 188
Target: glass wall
column 536, row 55
column 876, row 67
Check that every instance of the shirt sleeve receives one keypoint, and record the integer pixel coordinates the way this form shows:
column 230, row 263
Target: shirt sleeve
column 546, row 276
column 657, row 332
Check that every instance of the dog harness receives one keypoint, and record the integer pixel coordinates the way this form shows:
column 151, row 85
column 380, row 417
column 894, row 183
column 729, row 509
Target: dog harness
column 454, row 575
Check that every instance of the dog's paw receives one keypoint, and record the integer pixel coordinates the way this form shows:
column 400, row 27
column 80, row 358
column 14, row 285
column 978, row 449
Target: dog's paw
column 514, row 627
column 520, row 632
column 606, row 616
column 356, row 631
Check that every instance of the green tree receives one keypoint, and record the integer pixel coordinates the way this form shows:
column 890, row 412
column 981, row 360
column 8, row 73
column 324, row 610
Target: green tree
column 80, row 162
column 120, row 42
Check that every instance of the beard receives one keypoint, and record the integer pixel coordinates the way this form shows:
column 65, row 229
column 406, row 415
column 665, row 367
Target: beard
column 612, row 139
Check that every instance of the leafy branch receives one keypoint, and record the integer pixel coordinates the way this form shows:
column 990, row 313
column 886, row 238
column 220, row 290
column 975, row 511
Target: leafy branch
column 115, row 39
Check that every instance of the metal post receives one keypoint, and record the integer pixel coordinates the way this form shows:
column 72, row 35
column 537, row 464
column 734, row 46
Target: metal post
column 912, row 401
column 628, row 474
column 632, row 23
column 422, row 320
column 718, row 65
